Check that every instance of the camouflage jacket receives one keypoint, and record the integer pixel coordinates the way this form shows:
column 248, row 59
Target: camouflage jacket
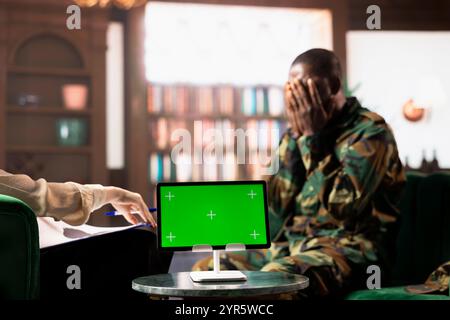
column 343, row 183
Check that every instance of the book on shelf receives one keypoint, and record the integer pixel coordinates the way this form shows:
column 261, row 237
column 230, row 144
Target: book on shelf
column 169, row 99
column 154, row 99
column 161, row 168
column 225, row 100
column 276, row 101
column 205, row 101
column 182, row 100
column 155, row 167
column 166, row 132
column 262, row 101
column 210, row 171
column 248, row 104
column 228, row 170
column 184, row 168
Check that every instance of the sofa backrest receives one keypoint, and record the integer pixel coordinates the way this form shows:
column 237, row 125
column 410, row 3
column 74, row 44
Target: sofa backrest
column 19, row 250
column 423, row 241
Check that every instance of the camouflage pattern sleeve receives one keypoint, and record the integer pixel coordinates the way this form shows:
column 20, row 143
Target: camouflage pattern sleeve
column 351, row 174
column 285, row 185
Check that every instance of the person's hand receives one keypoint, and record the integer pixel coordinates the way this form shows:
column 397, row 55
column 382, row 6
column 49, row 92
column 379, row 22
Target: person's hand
column 126, row 202
column 291, row 117
column 305, row 109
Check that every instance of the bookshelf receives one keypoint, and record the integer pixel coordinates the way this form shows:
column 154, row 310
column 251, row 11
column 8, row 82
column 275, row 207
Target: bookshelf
column 204, row 113
column 40, row 58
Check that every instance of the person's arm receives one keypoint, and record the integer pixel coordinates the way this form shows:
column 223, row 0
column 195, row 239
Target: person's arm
column 70, row 201
column 350, row 183
column 285, row 185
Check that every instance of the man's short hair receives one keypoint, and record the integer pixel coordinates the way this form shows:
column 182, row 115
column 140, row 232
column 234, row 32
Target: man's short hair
column 324, row 63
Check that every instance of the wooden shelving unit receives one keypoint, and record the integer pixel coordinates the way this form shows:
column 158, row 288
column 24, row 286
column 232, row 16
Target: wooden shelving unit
column 39, row 57
column 44, row 111
column 38, row 71
column 55, row 150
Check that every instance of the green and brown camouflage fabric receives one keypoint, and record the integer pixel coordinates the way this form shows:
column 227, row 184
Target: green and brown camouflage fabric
column 437, row 282
column 331, row 203
column 440, row 278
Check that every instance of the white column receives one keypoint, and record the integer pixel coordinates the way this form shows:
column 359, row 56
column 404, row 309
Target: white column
column 115, row 123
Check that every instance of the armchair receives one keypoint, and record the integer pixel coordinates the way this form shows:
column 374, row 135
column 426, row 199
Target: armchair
column 19, row 250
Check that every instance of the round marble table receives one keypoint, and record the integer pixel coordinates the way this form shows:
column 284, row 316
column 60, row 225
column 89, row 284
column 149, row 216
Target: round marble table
column 258, row 283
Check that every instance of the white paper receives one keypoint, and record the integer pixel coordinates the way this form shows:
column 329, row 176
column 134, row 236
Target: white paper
column 52, row 233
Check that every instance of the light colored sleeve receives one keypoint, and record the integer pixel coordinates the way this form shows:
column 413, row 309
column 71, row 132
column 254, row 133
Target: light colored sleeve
column 69, row 201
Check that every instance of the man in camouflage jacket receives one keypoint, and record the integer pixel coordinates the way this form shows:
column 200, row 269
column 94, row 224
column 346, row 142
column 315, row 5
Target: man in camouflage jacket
column 335, row 196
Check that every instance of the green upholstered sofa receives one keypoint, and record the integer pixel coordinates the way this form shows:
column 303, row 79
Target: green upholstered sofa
column 423, row 241
column 19, row 250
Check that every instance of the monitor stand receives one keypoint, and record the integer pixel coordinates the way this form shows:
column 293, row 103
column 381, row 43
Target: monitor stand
column 216, row 274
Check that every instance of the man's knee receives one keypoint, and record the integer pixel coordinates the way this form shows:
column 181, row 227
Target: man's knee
column 299, row 263
column 278, row 265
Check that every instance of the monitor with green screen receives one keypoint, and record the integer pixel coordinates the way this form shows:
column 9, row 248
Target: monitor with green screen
column 212, row 213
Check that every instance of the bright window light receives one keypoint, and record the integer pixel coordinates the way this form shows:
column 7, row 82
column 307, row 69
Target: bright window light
column 222, row 44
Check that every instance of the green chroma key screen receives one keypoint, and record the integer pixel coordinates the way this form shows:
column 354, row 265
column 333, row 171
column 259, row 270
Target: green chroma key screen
column 212, row 213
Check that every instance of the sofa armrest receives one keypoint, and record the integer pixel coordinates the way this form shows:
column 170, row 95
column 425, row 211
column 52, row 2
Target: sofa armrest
column 19, row 250
column 392, row 293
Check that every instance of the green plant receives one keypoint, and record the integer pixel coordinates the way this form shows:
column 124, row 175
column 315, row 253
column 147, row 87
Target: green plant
column 349, row 92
